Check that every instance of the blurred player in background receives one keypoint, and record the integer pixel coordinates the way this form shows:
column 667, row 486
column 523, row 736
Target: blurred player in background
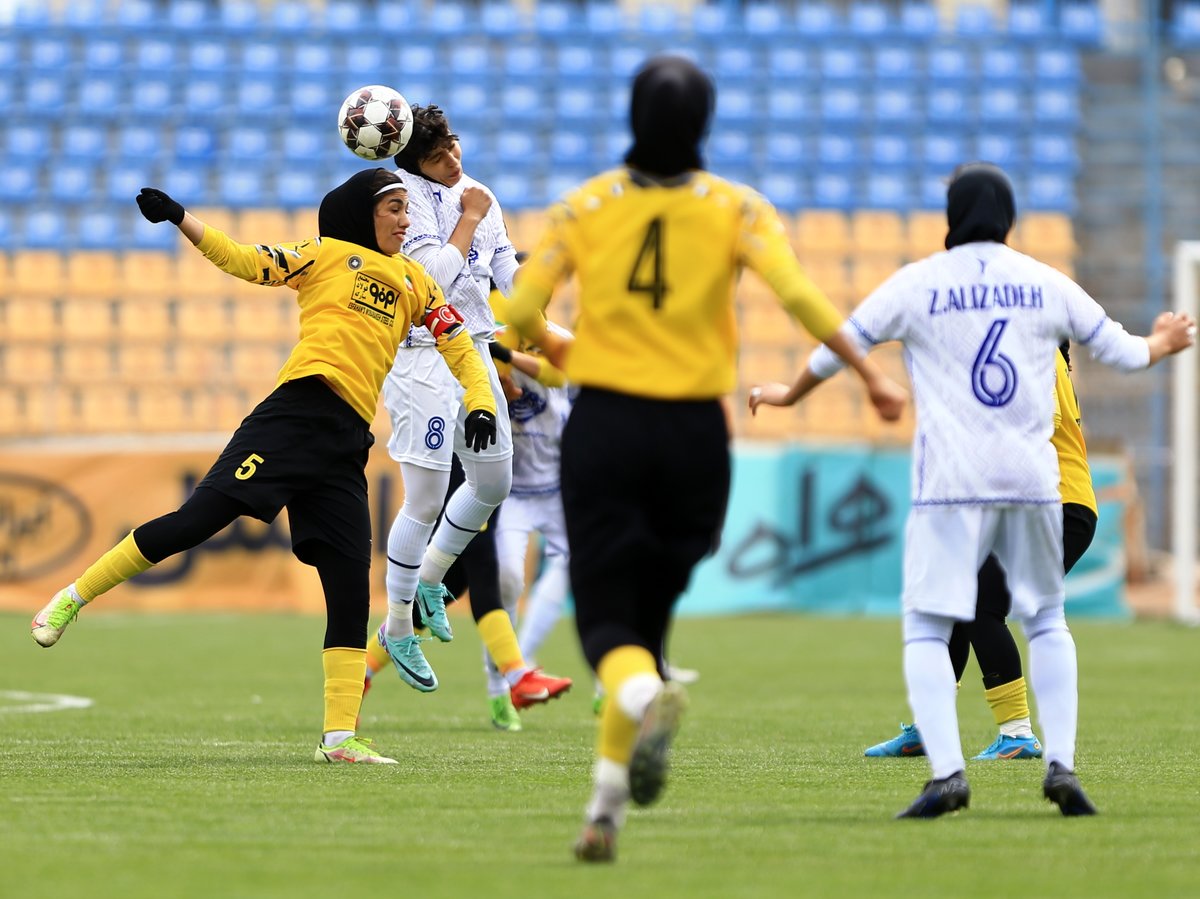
column 981, row 324
column 305, row 447
column 458, row 235
column 657, row 245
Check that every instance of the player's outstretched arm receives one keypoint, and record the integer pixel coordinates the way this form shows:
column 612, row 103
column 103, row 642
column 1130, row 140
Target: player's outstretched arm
column 776, row 394
column 888, row 397
column 1172, row 333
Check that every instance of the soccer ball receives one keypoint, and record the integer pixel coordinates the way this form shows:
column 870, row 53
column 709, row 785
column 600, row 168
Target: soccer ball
column 375, row 122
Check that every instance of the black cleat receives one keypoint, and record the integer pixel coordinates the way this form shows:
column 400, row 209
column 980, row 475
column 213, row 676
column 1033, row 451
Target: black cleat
column 598, row 842
column 939, row 797
column 651, row 750
column 1062, row 788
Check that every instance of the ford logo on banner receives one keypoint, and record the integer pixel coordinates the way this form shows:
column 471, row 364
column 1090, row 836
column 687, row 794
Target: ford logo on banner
column 42, row 526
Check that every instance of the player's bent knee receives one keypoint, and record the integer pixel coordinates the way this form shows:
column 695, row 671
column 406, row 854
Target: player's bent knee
column 1044, row 622
column 924, row 626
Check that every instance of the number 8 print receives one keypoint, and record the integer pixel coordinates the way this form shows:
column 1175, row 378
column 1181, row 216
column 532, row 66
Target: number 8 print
column 989, row 361
column 436, row 434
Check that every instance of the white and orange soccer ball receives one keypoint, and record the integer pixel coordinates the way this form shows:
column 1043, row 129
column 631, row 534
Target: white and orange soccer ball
column 375, row 122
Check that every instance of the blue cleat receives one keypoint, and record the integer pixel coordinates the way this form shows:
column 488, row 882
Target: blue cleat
column 431, row 598
column 1006, row 747
column 409, row 661
column 908, row 743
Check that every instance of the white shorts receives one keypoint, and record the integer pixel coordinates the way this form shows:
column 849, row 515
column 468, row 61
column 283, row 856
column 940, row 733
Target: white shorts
column 428, row 416
column 945, row 546
column 523, row 515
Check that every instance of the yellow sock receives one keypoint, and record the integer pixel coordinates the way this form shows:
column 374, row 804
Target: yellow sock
column 618, row 730
column 377, row 656
column 344, row 672
column 1008, row 701
column 496, row 631
column 116, row 566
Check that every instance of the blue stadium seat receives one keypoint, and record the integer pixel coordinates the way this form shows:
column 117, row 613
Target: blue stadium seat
column 469, row 57
column 136, row 16
column 1059, row 64
column 197, row 143
column 948, row 105
column 767, row 20
column 1184, row 29
column 784, row 148
column 304, row 145
column 575, row 105
column 298, row 187
column 833, row 190
column 345, row 17
column 817, row 20
column 1051, row 192
column 291, row 17
column 572, row 149
column 1053, row 150
column 579, row 59
column 974, row 22
column 931, row 188
column 31, row 18
column 102, row 54
column 123, row 181
column 895, row 104
column 894, row 61
column 101, row 228
column 312, row 97
column 188, row 16
column 1001, row 104
column 733, row 146
column 156, row 55
column 209, row 56
column 565, row 180
column 523, row 102
column 85, row 141
column 625, row 59
column 738, row 103
column 869, row 20
column 892, row 151
column 715, row 20
column 838, row 152
column 43, row 92
column 19, row 181
column 10, row 54
column 789, row 60
column 49, row 54
column 189, row 185
column 150, row 98
column 790, row 105
column 1030, row 21
column 204, row 96
column 25, row 142
column 242, row 188
column 1081, row 22
column 8, row 98
column 604, row 18
column 85, row 16
column 658, row 18
column 239, row 17
column 397, row 17
column 919, row 19
column 888, row 190
column 524, row 57
column 615, row 143
column 73, row 181
column 447, row 18
column 554, row 19
column 146, row 236
column 255, row 94
column 421, row 90
column 843, row 103
column 500, row 19
column 419, row 58
column 100, row 95
column 843, row 63
column 469, row 100
column 47, row 228
column 950, row 62
column 144, row 142
column 247, row 144
column 313, row 58
column 1055, row 105
column 1001, row 146
column 8, row 230
column 262, row 56
column 735, row 59
column 1003, row 63
column 786, row 190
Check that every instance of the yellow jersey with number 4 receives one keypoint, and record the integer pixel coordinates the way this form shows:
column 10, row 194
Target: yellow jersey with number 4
column 1074, row 475
column 657, row 263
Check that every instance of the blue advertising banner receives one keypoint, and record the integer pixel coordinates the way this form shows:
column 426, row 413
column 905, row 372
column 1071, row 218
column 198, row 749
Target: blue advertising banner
column 822, row 530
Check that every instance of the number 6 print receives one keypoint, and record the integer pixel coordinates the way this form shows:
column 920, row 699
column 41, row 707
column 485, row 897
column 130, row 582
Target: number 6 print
column 989, row 362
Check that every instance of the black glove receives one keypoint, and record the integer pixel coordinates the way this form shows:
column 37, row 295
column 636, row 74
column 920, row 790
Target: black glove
column 481, row 429
column 157, row 207
column 500, row 352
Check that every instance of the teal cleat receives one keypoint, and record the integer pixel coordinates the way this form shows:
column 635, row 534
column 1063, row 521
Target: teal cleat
column 431, row 598
column 908, row 743
column 1006, row 747
column 409, row 661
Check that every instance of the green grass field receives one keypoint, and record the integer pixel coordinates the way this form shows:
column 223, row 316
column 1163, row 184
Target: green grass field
column 191, row 775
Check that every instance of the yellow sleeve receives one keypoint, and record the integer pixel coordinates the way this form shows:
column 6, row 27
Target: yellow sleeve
column 466, row 366
column 547, row 266
column 764, row 247
column 285, row 264
column 548, row 375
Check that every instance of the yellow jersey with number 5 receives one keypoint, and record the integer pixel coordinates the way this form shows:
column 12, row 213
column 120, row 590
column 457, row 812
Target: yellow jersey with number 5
column 657, row 263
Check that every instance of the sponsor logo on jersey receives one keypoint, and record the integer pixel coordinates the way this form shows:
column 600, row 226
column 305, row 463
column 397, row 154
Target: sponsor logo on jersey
column 42, row 526
column 354, row 263
column 374, row 298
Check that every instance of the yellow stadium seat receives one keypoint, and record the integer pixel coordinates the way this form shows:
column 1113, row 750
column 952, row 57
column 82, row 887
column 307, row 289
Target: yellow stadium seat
column 195, row 276
column 30, row 318
column 161, row 409
column 255, row 366
column 526, row 228
column 144, row 319
column 6, row 283
column 926, row 234
column 868, row 273
column 758, row 365
column 267, row 315
column 192, row 362
column 769, row 326
column 150, row 274
column 202, row 319
column 48, row 409
column 93, row 275
column 140, row 362
column 877, row 232
column 1045, row 235
column 822, row 231
column 304, row 224
column 12, row 412
column 30, row 363
column 267, row 226
column 834, row 409
column 230, row 404
column 105, row 409
column 88, row 319
column 38, row 272
column 85, row 362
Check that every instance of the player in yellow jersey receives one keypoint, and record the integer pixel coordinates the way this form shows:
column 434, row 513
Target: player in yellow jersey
column 304, row 447
column 657, row 246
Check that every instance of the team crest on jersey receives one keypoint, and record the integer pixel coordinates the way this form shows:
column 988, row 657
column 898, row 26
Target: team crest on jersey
column 354, row 263
column 374, row 299
column 528, row 406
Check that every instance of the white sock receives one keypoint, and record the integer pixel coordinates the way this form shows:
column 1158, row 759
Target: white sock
column 496, row 684
column 544, row 608
column 336, row 736
column 610, row 799
column 1054, row 676
column 637, row 693
column 513, row 676
column 406, row 545
column 463, row 518
column 932, row 690
column 1018, row 727
column 75, row 596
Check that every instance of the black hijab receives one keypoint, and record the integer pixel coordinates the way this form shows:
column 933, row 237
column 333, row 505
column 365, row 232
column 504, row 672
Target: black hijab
column 979, row 205
column 348, row 211
column 670, row 110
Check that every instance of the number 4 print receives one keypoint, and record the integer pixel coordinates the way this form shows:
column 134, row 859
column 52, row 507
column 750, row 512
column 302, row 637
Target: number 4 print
column 992, row 366
column 650, row 257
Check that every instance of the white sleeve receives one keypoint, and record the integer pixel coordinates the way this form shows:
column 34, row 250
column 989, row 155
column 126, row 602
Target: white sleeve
column 1107, row 341
column 878, row 318
column 444, row 263
column 504, row 267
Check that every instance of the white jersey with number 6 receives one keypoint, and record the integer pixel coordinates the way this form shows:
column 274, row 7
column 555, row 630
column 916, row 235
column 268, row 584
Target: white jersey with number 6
column 980, row 326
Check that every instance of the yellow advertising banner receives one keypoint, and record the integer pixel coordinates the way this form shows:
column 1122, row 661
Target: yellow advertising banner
column 61, row 508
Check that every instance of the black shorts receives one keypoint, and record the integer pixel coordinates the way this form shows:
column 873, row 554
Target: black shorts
column 305, row 449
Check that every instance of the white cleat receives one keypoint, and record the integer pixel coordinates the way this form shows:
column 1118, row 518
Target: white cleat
column 48, row 624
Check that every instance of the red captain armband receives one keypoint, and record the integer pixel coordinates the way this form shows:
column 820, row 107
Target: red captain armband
column 445, row 321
